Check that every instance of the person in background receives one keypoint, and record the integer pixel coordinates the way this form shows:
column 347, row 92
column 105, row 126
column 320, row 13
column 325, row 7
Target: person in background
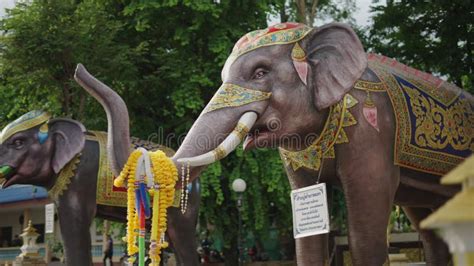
column 109, row 250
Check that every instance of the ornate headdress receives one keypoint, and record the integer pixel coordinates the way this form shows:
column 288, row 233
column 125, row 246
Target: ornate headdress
column 283, row 33
column 231, row 95
column 25, row 122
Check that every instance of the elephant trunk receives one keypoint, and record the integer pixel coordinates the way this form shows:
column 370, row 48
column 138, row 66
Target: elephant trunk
column 118, row 144
column 215, row 134
column 230, row 143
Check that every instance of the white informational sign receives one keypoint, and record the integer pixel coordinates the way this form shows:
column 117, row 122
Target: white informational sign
column 49, row 214
column 310, row 211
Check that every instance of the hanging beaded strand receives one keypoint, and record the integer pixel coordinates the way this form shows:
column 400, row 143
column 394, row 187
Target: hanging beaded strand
column 184, row 188
column 187, row 190
column 183, row 210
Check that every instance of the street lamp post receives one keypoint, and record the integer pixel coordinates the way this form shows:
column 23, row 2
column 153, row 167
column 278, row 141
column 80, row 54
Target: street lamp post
column 239, row 187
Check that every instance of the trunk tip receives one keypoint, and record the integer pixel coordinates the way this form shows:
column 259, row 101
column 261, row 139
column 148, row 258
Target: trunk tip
column 79, row 69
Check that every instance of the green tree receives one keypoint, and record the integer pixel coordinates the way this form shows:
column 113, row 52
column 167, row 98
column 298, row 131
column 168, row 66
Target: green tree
column 312, row 11
column 164, row 58
column 435, row 36
column 41, row 44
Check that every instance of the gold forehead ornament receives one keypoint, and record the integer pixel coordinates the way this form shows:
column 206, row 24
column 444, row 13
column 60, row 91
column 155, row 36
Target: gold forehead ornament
column 25, row 122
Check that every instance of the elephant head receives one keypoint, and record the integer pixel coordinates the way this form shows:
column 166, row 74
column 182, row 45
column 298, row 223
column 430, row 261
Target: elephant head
column 277, row 84
column 34, row 148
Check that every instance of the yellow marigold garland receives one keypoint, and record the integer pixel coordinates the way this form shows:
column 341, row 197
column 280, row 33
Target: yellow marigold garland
column 162, row 191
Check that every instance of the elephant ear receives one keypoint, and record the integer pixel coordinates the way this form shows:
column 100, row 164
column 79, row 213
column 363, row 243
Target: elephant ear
column 337, row 60
column 69, row 140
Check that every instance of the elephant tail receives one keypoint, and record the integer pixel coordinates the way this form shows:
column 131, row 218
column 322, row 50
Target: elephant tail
column 118, row 140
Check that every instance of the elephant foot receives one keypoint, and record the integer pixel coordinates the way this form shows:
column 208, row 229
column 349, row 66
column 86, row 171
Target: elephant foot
column 436, row 251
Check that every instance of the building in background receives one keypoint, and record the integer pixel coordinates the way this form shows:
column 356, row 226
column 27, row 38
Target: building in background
column 21, row 203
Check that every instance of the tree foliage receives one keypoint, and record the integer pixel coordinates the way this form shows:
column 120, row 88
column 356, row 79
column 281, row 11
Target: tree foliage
column 435, row 36
column 312, row 12
column 41, row 45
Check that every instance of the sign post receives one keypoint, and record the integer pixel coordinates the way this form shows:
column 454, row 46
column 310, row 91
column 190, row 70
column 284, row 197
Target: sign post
column 310, row 211
column 48, row 230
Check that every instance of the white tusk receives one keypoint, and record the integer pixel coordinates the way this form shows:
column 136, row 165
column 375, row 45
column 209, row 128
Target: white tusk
column 246, row 122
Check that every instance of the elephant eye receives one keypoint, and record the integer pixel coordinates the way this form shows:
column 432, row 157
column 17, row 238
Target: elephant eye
column 18, row 144
column 259, row 73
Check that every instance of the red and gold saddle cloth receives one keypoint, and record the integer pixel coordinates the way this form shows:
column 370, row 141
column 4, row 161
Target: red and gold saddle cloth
column 107, row 193
column 435, row 119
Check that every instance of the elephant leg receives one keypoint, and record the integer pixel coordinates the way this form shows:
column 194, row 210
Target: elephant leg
column 369, row 191
column 436, row 251
column 312, row 250
column 76, row 213
column 182, row 229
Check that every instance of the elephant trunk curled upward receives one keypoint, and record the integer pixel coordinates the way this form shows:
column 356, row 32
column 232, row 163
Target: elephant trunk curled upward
column 337, row 110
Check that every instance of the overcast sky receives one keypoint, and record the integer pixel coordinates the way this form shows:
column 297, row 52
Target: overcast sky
column 5, row 4
column 361, row 16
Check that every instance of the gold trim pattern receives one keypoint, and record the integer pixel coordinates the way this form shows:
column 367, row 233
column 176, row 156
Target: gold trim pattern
column 442, row 91
column 297, row 53
column 333, row 133
column 241, row 130
column 24, row 122
column 437, row 127
column 219, row 153
column 44, row 128
column 407, row 153
column 369, row 86
column 283, row 33
column 106, row 194
column 231, row 95
column 64, row 178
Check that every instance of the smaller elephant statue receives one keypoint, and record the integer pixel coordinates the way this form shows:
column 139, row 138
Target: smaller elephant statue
column 72, row 163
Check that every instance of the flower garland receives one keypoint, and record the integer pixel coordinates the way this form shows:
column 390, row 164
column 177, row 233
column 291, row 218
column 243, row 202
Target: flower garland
column 148, row 174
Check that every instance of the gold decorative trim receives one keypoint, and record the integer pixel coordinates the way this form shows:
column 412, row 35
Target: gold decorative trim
column 219, row 153
column 24, row 122
column 284, row 33
column 106, row 194
column 44, row 128
column 297, row 53
column 64, row 178
column 333, row 133
column 407, row 153
column 241, row 130
column 442, row 91
column 369, row 86
column 231, row 95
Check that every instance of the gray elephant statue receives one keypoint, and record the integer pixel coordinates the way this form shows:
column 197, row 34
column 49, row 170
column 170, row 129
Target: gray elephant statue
column 380, row 130
column 72, row 163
